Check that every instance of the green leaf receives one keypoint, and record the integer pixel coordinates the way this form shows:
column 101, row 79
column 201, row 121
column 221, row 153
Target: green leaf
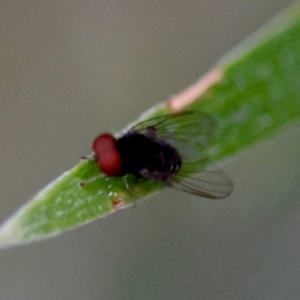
column 251, row 94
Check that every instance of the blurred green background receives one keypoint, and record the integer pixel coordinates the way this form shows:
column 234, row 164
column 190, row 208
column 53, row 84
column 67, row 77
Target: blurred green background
column 70, row 70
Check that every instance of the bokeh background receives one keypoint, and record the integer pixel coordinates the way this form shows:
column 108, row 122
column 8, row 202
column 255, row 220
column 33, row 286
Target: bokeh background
column 72, row 69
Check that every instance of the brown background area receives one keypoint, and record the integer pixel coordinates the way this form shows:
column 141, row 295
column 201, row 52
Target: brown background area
column 71, row 69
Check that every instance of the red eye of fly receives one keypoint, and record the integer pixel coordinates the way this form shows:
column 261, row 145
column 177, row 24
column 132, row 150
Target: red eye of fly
column 107, row 154
column 103, row 143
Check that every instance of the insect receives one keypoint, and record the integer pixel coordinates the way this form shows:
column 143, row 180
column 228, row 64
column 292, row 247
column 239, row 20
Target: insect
column 165, row 149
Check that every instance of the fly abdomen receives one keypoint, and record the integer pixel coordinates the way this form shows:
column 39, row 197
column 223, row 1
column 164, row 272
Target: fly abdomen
column 148, row 157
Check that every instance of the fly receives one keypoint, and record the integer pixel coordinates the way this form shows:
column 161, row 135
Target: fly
column 166, row 149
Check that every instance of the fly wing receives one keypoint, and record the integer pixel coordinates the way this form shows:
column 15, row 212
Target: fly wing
column 189, row 132
column 212, row 185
